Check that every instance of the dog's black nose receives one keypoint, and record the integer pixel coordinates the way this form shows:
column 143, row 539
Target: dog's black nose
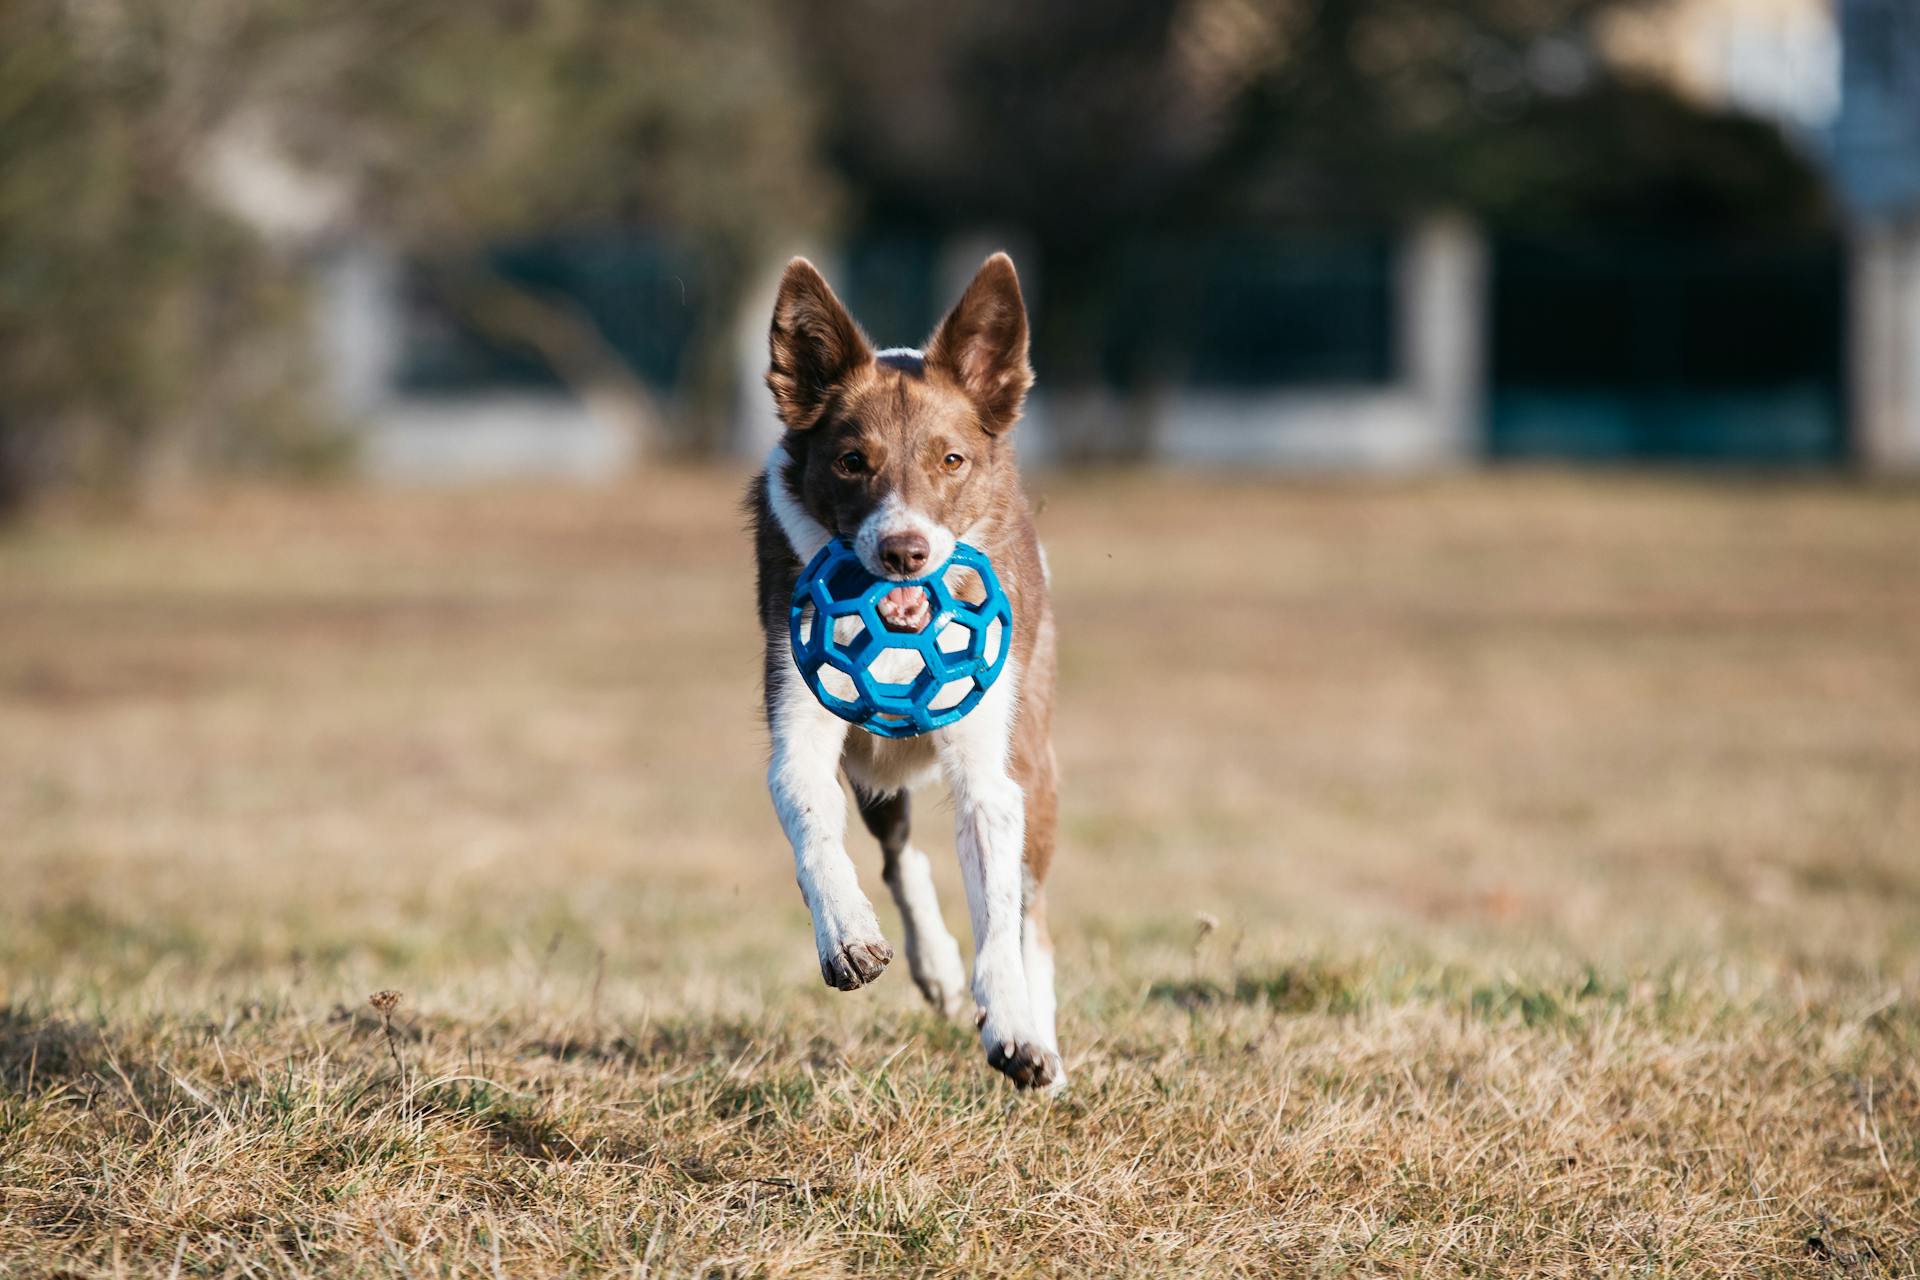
column 904, row 553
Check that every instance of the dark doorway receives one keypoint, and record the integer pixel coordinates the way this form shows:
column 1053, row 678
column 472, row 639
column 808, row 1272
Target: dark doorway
column 1668, row 350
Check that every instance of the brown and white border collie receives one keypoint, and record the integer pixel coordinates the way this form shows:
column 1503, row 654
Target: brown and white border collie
column 902, row 453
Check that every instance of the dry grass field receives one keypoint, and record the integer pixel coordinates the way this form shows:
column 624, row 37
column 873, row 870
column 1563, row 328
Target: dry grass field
column 1560, row 838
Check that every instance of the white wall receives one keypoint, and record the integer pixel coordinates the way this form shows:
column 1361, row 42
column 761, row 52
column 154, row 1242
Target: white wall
column 442, row 439
column 1884, row 342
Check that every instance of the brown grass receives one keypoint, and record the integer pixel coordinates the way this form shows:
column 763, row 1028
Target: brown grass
column 1563, row 836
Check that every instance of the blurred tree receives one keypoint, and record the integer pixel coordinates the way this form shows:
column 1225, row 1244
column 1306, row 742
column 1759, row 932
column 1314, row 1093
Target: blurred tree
column 1635, row 158
column 167, row 167
column 1076, row 119
column 1505, row 108
column 1092, row 126
column 137, row 323
column 1079, row 124
column 460, row 126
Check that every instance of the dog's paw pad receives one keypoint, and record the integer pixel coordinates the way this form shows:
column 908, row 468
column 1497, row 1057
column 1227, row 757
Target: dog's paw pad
column 1027, row 1065
column 852, row 965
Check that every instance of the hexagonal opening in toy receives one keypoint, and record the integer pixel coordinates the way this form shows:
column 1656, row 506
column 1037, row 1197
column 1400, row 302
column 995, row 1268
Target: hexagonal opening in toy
column 996, row 630
column 849, row 633
column 806, row 622
column 848, row 580
column 951, row 693
column 905, row 609
column 838, row 683
column 893, row 670
column 964, row 584
column 955, row 637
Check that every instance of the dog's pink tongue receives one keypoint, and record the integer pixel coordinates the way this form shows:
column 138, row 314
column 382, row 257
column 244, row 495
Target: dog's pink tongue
column 904, row 609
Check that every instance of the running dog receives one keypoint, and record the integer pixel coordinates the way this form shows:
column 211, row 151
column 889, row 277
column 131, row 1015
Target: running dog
column 902, row 453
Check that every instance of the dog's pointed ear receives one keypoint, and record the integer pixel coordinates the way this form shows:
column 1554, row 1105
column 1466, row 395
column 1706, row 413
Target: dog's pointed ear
column 812, row 346
column 982, row 344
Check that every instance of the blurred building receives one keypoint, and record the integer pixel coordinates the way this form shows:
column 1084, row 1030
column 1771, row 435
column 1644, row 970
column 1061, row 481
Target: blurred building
column 1844, row 77
column 1875, row 147
column 1686, row 347
column 1442, row 344
column 438, row 402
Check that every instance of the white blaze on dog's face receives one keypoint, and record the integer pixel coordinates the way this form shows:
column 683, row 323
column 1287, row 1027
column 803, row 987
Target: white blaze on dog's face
column 900, row 452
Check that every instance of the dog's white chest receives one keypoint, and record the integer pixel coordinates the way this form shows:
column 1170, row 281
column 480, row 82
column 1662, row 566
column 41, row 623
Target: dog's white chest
column 882, row 766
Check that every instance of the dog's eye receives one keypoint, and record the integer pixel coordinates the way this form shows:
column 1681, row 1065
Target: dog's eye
column 953, row 462
column 851, row 463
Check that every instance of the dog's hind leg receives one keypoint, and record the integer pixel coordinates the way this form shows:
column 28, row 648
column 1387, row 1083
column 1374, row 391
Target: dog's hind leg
column 1039, row 780
column 1036, row 948
column 933, row 957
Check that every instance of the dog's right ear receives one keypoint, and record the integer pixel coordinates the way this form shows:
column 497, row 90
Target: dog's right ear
column 813, row 345
column 982, row 344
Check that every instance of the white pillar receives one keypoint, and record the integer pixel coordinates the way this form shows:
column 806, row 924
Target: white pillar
column 1441, row 327
column 360, row 323
column 1884, row 344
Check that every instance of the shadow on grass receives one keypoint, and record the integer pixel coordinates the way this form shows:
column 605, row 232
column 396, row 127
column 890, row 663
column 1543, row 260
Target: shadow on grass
column 1314, row 988
column 40, row 1054
column 513, row 1123
column 43, row 1052
column 1303, row 988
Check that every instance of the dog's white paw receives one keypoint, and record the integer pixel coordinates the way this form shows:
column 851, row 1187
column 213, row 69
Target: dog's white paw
column 853, row 965
column 1029, row 1064
column 1025, row 1060
column 852, row 954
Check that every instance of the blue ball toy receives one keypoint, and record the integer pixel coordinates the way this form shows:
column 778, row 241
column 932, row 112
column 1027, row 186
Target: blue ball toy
column 898, row 684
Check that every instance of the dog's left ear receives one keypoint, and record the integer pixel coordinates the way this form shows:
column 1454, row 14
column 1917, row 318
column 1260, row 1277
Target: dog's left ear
column 982, row 344
column 812, row 346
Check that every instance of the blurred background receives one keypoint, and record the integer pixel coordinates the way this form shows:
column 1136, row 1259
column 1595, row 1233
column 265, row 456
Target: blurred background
column 538, row 237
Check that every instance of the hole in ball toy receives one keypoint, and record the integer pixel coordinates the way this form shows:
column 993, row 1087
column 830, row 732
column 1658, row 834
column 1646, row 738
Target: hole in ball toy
column 847, row 579
column 806, row 622
column 905, row 609
column 964, row 584
column 994, row 630
column 848, row 633
column 954, row 638
column 950, row 694
column 838, row 683
column 898, row 667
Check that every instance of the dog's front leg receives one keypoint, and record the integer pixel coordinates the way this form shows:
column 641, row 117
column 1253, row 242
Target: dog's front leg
column 803, row 780
column 990, row 837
